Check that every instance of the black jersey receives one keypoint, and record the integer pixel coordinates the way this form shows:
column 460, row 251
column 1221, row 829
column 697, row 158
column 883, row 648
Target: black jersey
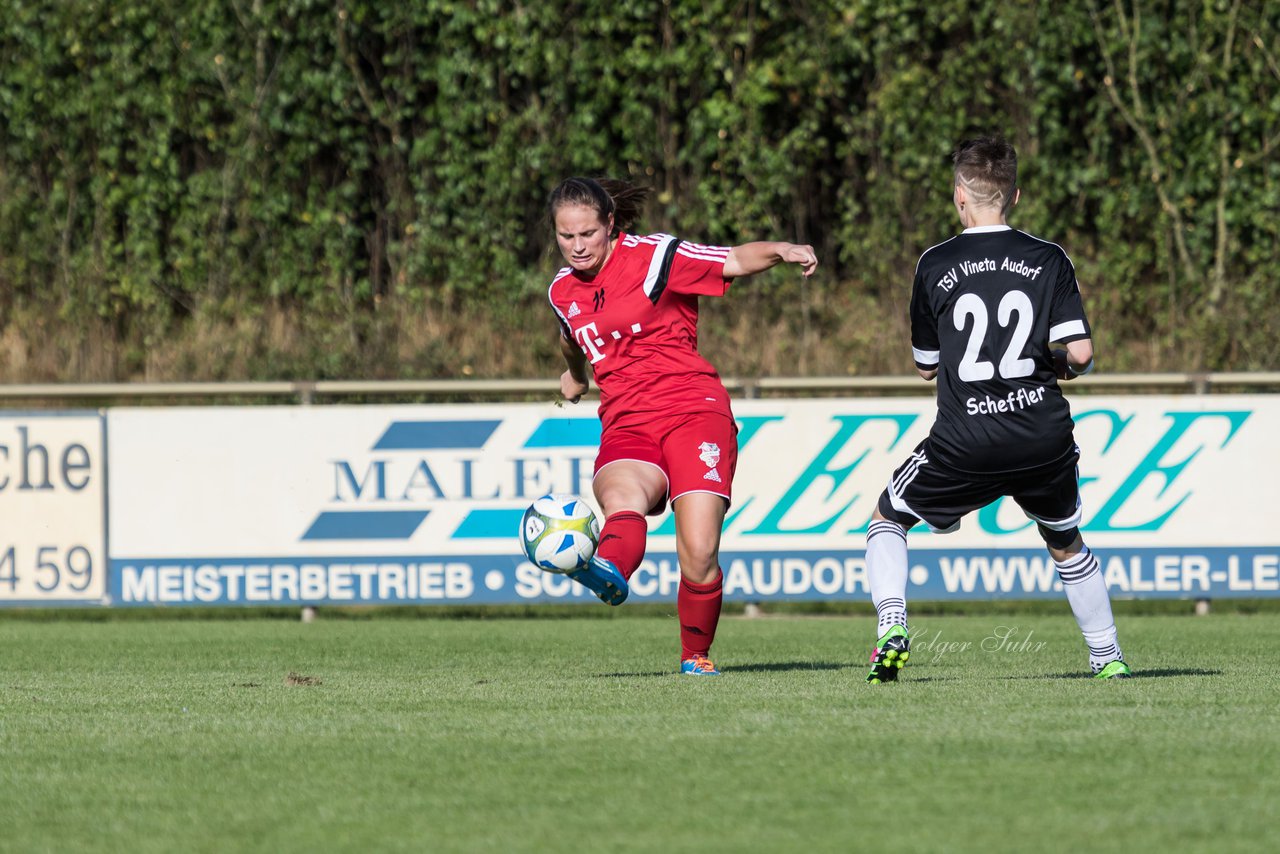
column 984, row 307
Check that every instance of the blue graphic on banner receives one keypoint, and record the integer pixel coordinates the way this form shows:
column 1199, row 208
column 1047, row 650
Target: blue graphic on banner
column 748, row 577
column 565, row 433
column 435, row 435
column 365, row 525
column 486, row 524
column 394, row 477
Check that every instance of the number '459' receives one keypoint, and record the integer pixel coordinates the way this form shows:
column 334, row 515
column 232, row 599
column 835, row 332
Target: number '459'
column 52, row 569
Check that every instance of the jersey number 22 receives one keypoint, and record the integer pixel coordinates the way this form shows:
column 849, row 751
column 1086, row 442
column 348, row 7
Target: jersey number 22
column 1012, row 366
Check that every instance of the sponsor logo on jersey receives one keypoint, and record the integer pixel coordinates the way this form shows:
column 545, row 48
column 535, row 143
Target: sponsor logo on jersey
column 574, row 311
column 712, row 475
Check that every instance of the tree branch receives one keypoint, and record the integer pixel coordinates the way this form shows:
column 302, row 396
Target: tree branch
column 1132, row 117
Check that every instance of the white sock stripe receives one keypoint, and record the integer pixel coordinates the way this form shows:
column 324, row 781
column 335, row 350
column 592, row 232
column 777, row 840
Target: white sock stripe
column 1078, row 578
column 889, row 613
column 1073, row 562
column 1083, row 572
column 1076, row 571
column 879, row 528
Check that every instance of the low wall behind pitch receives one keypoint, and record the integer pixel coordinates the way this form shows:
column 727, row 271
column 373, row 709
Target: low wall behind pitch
column 420, row 504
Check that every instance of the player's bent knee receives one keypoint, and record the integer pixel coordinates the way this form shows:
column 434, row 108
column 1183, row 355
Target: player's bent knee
column 1058, row 539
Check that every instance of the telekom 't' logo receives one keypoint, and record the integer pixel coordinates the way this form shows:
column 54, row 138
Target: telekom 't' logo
column 590, row 342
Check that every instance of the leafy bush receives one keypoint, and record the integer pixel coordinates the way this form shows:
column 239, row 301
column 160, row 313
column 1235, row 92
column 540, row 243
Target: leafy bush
column 370, row 169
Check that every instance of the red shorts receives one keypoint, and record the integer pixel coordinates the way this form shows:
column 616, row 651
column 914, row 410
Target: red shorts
column 696, row 452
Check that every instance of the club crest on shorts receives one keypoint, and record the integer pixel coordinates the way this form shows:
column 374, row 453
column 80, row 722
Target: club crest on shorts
column 709, row 453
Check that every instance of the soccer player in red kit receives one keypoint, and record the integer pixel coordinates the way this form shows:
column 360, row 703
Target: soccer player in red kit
column 628, row 307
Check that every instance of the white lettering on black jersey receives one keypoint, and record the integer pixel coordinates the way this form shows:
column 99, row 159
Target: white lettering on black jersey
column 984, row 307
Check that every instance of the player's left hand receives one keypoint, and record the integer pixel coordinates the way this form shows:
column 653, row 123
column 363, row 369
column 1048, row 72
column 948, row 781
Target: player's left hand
column 1060, row 365
column 803, row 255
column 572, row 389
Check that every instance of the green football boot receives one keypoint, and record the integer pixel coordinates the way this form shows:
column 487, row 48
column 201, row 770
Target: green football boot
column 891, row 652
column 1114, row 670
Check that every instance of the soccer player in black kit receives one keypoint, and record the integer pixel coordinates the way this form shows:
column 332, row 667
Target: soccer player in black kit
column 985, row 306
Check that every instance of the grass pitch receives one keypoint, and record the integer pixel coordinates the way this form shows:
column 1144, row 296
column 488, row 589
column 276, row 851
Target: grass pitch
column 575, row 735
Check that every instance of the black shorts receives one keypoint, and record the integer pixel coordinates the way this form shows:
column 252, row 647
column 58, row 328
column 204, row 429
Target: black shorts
column 939, row 496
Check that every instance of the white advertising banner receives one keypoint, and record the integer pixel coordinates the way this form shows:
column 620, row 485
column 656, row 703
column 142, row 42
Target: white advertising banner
column 421, row 504
column 52, row 508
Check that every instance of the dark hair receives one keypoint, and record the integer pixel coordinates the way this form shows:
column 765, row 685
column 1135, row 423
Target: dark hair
column 988, row 169
column 606, row 195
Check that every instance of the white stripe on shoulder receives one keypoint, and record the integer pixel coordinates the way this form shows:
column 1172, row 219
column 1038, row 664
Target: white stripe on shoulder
column 656, row 238
column 630, row 241
column 930, row 249
column 1070, row 327
column 655, row 263
column 704, row 253
column 564, row 272
column 925, row 357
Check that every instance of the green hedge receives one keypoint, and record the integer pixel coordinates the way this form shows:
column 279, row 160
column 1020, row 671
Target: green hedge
column 363, row 158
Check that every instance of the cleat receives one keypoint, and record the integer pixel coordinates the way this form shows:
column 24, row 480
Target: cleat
column 602, row 578
column 891, row 652
column 699, row 665
column 1114, row 670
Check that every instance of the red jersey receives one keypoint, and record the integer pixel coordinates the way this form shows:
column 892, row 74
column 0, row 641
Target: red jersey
column 637, row 323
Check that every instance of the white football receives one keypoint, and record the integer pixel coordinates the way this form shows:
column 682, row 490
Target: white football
column 559, row 533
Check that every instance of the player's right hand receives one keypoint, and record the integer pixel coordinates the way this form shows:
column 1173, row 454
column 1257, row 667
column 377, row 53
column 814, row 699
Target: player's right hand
column 571, row 389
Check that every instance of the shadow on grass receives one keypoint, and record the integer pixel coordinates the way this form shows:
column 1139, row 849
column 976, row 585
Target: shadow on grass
column 778, row 666
column 1155, row 673
column 1174, row 671
column 914, row 680
column 762, row 667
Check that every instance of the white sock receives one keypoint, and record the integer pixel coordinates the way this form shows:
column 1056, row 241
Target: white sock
column 1087, row 592
column 887, row 573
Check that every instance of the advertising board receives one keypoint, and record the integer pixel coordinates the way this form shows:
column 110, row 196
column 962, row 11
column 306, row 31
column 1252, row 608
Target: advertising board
column 421, row 504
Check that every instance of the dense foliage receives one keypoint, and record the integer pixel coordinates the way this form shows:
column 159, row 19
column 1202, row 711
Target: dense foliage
column 368, row 176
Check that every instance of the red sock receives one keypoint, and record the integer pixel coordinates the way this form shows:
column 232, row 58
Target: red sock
column 622, row 541
column 698, row 607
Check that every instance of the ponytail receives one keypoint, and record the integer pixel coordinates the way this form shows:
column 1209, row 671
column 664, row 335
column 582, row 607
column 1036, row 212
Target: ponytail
column 604, row 195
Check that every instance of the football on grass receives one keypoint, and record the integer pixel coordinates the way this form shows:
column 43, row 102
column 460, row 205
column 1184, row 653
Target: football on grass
column 559, row 533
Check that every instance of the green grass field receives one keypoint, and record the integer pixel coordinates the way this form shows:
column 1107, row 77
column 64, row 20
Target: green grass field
column 575, row 735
